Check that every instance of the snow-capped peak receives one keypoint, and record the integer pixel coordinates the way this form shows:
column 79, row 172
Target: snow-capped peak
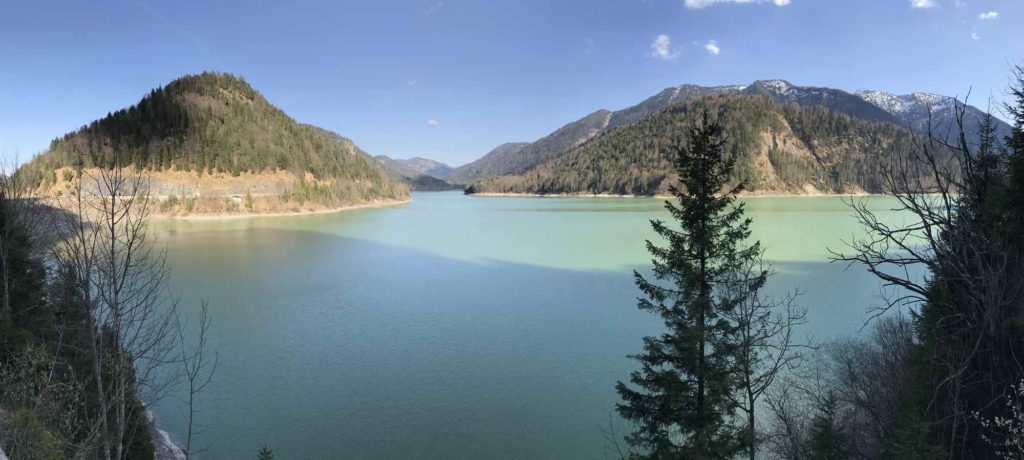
column 778, row 86
column 886, row 101
column 901, row 105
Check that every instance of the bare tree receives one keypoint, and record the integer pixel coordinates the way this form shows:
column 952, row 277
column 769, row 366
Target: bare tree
column 122, row 279
column 764, row 341
column 954, row 266
column 197, row 366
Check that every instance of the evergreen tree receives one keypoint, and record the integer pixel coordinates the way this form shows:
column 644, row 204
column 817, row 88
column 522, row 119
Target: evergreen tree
column 828, row 441
column 680, row 400
column 265, row 453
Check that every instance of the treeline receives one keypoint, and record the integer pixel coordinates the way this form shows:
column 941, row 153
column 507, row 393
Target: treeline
column 90, row 337
column 216, row 123
column 939, row 374
column 780, row 148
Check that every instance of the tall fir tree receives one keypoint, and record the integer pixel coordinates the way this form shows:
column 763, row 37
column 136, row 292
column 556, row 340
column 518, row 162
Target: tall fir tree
column 680, row 398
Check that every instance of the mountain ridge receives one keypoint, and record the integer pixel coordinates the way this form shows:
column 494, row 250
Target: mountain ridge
column 836, row 100
column 786, row 148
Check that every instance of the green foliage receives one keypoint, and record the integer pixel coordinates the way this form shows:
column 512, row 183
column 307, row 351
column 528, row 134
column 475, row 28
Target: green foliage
column 169, row 203
column 827, row 439
column 805, row 146
column 25, row 438
column 42, row 353
column 249, row 205
column 681, row 399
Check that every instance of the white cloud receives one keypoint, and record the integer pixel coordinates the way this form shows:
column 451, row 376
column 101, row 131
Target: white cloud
column 412, row 82
column 712, row 47
column 922, row 3
column 433, row 8
column 988, row 15
column 433, row 122
column 698, row 4
column 661, row 48
column 975, row 36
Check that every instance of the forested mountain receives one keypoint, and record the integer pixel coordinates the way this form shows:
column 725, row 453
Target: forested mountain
column 213, row 134
column 509, row 160
column 908, row 111
column 918, row 109
column 580, row 131
column 414, row 166
column 408, row 171
column 783, row 147
column 489, row 165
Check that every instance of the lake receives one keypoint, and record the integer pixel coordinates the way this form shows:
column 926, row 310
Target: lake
column 454, row 326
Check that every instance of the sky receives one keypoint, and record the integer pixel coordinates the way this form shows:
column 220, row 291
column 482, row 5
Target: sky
column 452, row 79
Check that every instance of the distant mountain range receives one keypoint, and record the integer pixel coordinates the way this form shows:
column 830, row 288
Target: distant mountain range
column 421, row 174
column 209, row 139
column 416, row 165
column 910, row 112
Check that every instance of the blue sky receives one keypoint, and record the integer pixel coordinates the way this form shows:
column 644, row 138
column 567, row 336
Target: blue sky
column 451, row 79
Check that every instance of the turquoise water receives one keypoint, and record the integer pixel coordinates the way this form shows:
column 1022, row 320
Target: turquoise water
column 455, row 326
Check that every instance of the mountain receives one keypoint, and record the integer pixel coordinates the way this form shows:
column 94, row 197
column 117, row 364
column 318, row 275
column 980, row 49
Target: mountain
column 584, row 129
column 785, row 147
column 211, row 138
column 509, row 159
column 414, row 172
column 415, row 166
column 912, row 110
column 491, row 164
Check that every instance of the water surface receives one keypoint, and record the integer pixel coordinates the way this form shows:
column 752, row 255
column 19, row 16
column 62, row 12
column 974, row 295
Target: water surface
column 455, row 326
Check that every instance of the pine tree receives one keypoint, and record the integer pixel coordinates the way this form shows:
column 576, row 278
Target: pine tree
column 265, row 453
column 680, row 399
column 828, row 441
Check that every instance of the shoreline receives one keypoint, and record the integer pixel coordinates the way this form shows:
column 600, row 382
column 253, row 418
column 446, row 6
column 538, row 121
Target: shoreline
column 240, row 215
column 662, row 196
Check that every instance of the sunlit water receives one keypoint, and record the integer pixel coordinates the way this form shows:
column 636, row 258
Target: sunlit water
column 454, row 326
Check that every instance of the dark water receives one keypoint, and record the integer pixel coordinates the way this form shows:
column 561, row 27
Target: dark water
column 453, row 327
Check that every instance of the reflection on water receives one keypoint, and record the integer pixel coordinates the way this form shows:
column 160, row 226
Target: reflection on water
column 453, row 327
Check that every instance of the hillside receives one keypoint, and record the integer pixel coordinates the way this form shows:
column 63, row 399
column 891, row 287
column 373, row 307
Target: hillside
column 784, row 147
column 412, row 173
column 492, row 164
column 511, row 160
column 207, row 140
column 865, row 105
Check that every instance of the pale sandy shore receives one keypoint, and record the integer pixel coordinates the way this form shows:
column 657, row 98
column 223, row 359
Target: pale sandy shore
column 248, row 215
